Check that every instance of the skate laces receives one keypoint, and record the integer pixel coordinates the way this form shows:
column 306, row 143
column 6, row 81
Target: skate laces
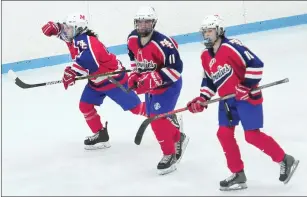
column 178, row 146
column 231, row 177
column 94, row 137
column 165, row 158
column 282, row 167
column 174, row 121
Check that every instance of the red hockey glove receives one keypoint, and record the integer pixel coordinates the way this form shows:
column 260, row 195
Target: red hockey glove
column 243, row 93
column 148, row 81
column 51, row 29
column 69, row 77
column 194, row 106
column 133, row 79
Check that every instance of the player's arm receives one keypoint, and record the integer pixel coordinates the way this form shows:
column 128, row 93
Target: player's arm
column 131, row 57
column 87, row 60
column 54, row 29
column 207, row 89
column 173, row 65
column 254, row 66
column 130, row 54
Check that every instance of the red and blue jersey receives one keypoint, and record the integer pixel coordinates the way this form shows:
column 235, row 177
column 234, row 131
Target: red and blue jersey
column 91, row 57
column 159, row 54
column 233, row 63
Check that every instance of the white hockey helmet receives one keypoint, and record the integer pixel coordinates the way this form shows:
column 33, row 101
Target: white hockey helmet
column 74, row 24
column 212, row 22
column 146, row 13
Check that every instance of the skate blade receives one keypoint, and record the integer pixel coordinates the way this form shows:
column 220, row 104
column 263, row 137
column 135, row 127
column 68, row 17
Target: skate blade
column 167, row 170
column 184, row 146
column 100, row 145
column 237, row 186
column 294, row 166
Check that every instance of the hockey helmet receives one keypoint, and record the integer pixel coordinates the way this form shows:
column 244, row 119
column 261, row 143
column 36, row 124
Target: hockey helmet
column 212, row 22
column 145, row 20
column 74, row 25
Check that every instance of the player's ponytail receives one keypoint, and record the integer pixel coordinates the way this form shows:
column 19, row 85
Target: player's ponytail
column 90, row 32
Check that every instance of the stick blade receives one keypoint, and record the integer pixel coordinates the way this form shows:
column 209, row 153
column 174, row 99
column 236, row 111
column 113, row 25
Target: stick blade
column 140, row 132
column 22, row 84
column 17, row 81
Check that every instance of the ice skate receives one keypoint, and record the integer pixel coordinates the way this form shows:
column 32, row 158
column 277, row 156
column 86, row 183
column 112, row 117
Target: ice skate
column 181, row 145
column 287, row 168
column 167, row 164
column 236, row 181
column 99, row 140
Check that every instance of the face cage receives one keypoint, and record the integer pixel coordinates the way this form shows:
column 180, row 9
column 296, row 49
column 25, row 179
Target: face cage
column 69, row 33
column 147, row 31
column 207, row 41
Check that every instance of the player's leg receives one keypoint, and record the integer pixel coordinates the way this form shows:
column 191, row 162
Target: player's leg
column 89, row 99
column 127, row 101
column 167, row 129
column 228, row 119
column 252, row 121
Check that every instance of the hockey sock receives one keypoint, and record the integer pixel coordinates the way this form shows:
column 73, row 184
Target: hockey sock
column 167, row 134
column 231, row 148
column 91, row 116
column 265, row 143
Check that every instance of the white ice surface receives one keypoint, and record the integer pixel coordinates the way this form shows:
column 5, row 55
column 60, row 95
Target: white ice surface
column 43, row 133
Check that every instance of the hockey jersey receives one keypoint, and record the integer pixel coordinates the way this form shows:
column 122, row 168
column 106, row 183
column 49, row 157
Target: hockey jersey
column 91, row 57
column 159, row 54
column 232, row 64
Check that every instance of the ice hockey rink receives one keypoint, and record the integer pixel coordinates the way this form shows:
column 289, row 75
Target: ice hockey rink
column 43, row 133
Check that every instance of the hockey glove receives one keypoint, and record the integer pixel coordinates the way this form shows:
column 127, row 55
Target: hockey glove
column 194, row 106
column 51, row 29
column 243, row 93
column 148, row 81
column 133, row 80
column 69, row 77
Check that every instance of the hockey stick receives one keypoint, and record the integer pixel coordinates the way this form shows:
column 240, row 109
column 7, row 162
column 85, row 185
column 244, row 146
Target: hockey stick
column 24, row 85
column 112, row 80
column 161, row 86
column 145, row 123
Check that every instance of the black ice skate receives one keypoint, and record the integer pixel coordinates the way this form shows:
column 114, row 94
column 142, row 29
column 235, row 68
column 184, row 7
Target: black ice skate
column 174, row 120
column 287, row 168
column 99, row 140
column 236, row 181
column 167, row 164
column 181, row 146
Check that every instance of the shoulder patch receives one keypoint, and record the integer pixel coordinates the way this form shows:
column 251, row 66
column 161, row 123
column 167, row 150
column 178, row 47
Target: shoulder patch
column 166, row 43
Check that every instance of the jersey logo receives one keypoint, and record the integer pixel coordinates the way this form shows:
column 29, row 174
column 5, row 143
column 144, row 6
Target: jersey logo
column 166, row 43
column 145, row 65
column 82, row 17
column 236, row 41
column 212, row 61
column 82, row 44
column 157, row 106
column 221, row 72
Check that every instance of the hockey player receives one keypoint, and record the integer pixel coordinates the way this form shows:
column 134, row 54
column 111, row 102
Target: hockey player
column 230, row 67
column 149, row 49
column 90, row 57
